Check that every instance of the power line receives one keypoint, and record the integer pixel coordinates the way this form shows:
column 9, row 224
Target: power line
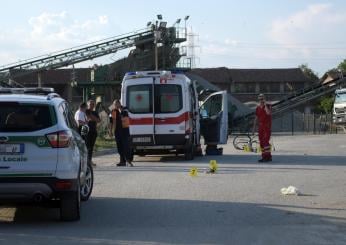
column 343, row 43
column 288, row 47
column 276, row 58
column 311, row 46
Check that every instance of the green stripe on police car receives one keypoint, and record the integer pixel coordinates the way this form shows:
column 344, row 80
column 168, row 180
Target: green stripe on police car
column 40, row 141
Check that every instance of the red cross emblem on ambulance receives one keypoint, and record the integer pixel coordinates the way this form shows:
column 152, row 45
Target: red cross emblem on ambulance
column 139, row 97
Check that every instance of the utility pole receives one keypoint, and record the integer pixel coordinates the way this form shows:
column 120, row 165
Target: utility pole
column 39, row 79
column 185, row 19
column 159, row 26
column 156, row 38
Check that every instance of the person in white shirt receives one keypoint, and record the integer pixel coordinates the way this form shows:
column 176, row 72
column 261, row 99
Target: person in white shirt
column 80, row 116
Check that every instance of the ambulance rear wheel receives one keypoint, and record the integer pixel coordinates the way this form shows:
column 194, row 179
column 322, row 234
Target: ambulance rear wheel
column 190, row 152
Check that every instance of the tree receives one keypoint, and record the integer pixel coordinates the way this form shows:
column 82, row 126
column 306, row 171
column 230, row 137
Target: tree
column 313, row 76
column 325, row 104
column 342, row 66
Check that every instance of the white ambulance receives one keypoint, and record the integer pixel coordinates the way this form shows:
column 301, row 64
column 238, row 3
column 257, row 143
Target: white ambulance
column 166, row 116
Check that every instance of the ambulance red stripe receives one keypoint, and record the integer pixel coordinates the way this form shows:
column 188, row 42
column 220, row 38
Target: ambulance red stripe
column 141, row 121
column 158, row 121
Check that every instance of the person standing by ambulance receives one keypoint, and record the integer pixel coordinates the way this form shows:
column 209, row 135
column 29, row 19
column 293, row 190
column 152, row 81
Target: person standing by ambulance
column 264, row 119
column 81, row 118
column 120, row 124
column 93, row 120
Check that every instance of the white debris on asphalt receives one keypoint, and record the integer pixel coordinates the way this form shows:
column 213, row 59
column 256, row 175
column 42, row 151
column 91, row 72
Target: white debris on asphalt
column 291, row 190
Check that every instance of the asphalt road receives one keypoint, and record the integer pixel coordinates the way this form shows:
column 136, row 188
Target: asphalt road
column 157, row 202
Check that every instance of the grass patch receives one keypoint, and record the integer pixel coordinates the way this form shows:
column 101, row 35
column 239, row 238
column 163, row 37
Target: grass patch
column 104, row 144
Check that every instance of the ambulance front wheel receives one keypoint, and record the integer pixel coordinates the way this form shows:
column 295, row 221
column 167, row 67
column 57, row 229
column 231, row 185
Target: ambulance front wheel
column 190, row 152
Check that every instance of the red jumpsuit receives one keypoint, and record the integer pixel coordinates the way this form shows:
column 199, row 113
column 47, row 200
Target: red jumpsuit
column 264, row 130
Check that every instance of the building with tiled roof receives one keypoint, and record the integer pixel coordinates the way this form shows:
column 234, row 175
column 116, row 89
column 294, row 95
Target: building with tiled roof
column 246, row 84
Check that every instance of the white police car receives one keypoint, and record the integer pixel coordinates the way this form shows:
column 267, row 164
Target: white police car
column 43, row 159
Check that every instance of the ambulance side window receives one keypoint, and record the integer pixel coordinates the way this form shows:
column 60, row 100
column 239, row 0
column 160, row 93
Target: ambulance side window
column 139, row 98
column 212, row 106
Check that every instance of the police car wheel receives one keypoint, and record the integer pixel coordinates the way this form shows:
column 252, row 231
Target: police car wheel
column 70, row 206
column 87, row 188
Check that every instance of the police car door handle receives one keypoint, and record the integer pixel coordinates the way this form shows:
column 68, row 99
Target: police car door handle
column 162, row 119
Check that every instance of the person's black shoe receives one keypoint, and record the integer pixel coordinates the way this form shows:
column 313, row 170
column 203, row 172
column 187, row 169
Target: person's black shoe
column 120, row 164
column 265, row 160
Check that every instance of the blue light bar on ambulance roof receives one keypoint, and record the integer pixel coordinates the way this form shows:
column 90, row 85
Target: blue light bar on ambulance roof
column 131, row 73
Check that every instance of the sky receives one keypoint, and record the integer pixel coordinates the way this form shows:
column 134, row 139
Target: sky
column 227, row 33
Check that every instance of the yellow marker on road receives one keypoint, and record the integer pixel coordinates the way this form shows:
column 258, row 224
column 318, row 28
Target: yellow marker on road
column 213, row 166
column 193, row 172
column 246, row 148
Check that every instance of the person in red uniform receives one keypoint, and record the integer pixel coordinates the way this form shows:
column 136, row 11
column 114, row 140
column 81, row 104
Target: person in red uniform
column 264, row 120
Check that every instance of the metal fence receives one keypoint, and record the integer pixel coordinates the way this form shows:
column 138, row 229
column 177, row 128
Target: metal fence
column 305, row 123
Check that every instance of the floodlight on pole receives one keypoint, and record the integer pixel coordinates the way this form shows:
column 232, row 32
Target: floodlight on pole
column 163, row 24
column 177, row 21
column 159, row 16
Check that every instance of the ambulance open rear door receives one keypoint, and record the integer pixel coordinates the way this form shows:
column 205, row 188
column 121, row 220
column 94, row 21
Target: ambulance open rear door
column 214, row 118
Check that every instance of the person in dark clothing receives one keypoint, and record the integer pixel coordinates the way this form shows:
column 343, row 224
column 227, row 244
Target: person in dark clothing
column 93, row 119
column 120, row 125
column 125, row 135
column 115, row 120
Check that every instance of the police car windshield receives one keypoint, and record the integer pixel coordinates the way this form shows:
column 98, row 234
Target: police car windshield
column 16, row 117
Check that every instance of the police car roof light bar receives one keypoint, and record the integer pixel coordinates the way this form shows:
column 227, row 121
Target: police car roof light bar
column 37, row 91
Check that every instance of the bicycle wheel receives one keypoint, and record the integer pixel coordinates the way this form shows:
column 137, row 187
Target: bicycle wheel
column 240, row 141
